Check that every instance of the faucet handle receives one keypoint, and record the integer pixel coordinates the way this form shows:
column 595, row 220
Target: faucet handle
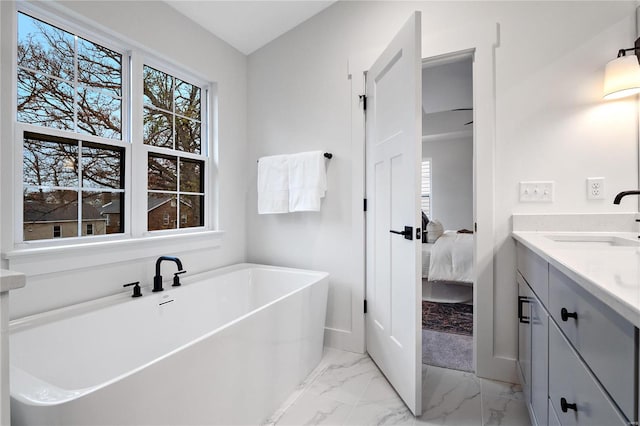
column 176, row 278
column 136, row 288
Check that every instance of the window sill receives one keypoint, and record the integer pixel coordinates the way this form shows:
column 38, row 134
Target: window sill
column 45, row 260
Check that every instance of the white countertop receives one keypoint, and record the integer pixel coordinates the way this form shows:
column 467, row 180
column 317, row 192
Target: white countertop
column 10, row 280
column 610, row 273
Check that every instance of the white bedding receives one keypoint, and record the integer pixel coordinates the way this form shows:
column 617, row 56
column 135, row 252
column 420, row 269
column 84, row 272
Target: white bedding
column 451, row 258
column 426, row 258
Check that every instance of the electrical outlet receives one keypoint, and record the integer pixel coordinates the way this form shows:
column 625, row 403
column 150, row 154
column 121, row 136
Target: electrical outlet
column 536, row 192
column 595, row 188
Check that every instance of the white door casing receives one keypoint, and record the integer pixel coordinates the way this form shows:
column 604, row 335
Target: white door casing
column 393, row 154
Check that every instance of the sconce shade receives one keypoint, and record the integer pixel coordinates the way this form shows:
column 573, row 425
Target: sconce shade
column 622, row 77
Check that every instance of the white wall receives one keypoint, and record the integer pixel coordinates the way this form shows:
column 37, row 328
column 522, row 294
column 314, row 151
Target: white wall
column 164, row 32
column 551, row 124
column 451, row 181
column 447, row 86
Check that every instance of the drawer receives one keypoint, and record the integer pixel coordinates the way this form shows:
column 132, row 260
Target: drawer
column 553, row 417
column 604, row 339
column 535, row 271
column 571, row 380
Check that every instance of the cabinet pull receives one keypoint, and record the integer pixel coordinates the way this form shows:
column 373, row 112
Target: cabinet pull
column 565, row 406
column 565, row 315
column 522, row 318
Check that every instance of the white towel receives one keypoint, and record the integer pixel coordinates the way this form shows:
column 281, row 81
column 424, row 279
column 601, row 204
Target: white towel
column 273, row 185
column 307, row 181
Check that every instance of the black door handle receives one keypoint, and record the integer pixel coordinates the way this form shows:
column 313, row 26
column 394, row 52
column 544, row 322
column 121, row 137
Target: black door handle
column 565, row 315
column 407, row 233
column 565, row 406
column 522, row 318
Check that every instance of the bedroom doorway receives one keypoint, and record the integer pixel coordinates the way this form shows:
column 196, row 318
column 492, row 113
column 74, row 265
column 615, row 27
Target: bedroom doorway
column 447, row 205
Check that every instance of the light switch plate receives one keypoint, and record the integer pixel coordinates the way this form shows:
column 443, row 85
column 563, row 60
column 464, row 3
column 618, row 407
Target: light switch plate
column 536, row 192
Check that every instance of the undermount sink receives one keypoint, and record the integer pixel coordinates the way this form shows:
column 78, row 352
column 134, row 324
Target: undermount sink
column 593, row 241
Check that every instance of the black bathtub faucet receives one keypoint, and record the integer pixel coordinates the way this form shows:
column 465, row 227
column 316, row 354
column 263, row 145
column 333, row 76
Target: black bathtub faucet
column 624, row 194
column 157, row 280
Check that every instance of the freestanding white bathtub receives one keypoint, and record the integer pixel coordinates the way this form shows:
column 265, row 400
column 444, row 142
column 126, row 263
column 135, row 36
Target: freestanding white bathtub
column 228, row 347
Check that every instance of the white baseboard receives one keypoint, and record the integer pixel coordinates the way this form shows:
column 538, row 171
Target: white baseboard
column 498, row 368
column 342, row 339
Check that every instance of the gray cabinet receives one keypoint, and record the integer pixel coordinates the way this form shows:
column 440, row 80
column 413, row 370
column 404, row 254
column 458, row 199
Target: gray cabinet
column 577, row 358
column 539, row 362
column 532, row 352
column 553, row 417
column 604, row 339
column 525, row 295
column 575, row 394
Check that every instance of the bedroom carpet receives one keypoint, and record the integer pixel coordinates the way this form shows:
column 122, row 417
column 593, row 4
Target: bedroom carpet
column 447, row 350
column 454, row 318
column 447, row 335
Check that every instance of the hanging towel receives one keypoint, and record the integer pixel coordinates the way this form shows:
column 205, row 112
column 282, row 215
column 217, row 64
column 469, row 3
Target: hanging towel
column 307, row 181
column 273, row 185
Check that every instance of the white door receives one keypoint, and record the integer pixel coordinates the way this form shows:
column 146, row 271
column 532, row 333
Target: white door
column 393, row 153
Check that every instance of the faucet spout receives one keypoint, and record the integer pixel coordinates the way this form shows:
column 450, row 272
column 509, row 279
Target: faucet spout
column 624, row 194
column 157, row 279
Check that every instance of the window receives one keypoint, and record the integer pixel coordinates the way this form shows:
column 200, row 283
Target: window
column 67, row 82
column 172, row 123
column 425, row 187
column 75, row 133
column 69, row 180
column 172, row 112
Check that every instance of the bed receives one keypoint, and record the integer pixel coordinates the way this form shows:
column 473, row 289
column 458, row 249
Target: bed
column 447, row 268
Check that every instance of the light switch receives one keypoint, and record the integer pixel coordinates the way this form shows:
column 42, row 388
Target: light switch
column 536, row 192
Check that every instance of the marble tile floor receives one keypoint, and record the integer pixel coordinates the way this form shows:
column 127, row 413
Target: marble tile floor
column 348, row 389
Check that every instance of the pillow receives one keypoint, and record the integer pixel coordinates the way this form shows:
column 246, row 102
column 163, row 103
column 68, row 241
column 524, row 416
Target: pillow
column 425, row 222
column 434, row 231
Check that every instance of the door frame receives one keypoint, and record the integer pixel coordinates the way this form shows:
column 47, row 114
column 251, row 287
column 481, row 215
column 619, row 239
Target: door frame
column 482, row 41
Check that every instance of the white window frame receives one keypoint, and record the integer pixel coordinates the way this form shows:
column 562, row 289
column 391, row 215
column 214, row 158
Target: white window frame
column 78, row 29
column 135, row 227
column 205, row 144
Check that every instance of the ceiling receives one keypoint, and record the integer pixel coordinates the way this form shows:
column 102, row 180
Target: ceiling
column 249, row 25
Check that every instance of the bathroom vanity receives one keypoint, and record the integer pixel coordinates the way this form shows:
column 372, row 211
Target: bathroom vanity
column 579, row 313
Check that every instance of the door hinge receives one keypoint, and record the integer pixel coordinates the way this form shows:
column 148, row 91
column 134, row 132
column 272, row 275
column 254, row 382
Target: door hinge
column 475, row 226
column 365, row 306
column 363, row 99
column 365, row 204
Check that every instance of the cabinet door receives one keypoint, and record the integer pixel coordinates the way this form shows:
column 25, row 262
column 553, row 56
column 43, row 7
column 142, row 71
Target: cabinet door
column 525, row 295
column 539, row 361
column 576, row 396
column 553, row 417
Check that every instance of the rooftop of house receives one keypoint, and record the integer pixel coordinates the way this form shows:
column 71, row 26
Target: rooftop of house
column 41, row 211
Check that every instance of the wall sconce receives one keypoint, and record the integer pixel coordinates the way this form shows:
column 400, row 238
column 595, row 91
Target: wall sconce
column 622, row 75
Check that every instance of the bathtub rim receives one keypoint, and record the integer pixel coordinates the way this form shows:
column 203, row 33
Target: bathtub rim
column 124, row 296
column 71, row 311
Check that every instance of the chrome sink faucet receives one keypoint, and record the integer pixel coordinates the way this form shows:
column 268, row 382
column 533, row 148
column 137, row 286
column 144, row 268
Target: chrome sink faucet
column 157, row 280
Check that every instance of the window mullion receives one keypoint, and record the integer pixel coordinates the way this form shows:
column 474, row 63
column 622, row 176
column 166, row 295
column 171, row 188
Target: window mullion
column 75, row 84
column 80, row 198
column 137, row 176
